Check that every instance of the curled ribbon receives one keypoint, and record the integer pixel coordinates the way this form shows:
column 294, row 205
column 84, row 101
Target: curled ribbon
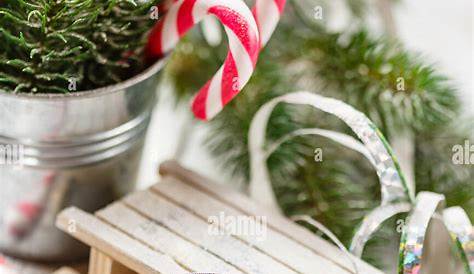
column 460, row 227
column 397, row 197
column 329, row 234
column 393, row 186
column 413, row 237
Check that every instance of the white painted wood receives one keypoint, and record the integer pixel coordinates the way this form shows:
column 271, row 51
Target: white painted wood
column 273, row 243
column 117, row 245
column 163, row 240
column 194, row 229
column 276, row 221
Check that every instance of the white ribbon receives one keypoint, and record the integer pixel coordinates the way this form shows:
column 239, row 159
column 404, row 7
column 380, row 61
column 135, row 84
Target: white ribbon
column 462, row 232
column 397, row 197
column 374, row 148
column 413, row 237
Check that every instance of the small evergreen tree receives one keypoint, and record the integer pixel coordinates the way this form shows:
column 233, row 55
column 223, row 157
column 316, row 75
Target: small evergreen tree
column 47, row 45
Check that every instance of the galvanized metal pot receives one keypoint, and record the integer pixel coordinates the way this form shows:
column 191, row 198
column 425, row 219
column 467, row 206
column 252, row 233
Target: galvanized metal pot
column 80, row 149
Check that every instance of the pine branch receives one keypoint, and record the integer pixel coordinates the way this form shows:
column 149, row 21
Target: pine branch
column 392, row 86
column 191, row 64
column 228, row 137
column 437, row 171
column 48, row 44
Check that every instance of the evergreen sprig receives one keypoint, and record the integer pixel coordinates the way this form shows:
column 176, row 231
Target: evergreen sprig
column 48, row 45
column 436, row 170
column 394, row 87
column 267, row 82
column 191, row 64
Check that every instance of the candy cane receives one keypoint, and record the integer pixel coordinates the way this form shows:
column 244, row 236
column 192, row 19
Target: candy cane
column 209, row 26
column 20, row 217
column 243, row 38
column 267, row 13
column 243, row 34
column 244, row 43
column 166, row 5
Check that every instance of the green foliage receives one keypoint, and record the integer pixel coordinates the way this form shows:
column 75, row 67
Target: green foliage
column 435, row 169
column 228, row 136
column 394, row 87
column 338, row 191
column 47, row 44
column 191, row 64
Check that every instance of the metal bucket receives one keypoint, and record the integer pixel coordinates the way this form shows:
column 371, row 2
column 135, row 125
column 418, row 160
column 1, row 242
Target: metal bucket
column 80, row 149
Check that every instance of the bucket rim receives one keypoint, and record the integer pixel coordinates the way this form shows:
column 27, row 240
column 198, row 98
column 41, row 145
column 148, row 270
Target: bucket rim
column 145, row 74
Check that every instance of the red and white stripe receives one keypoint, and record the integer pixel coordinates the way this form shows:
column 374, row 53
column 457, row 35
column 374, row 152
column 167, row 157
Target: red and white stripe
column 244, row 45
column 267, row 13
column 21, row 216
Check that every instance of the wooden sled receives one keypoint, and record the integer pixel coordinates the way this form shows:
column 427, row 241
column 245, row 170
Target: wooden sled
column 170, row 228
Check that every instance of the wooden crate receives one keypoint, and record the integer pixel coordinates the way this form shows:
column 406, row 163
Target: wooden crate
column 166, row 229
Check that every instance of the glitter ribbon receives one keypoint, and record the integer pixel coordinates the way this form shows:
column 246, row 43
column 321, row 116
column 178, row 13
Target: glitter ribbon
column 397, row 197
column 413, row 237
column 374, row 147
column 460, row 228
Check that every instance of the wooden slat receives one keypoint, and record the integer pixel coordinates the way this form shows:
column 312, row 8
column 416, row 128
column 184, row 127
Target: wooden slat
column 275, row 244
column 163, row 240
column 194, row 229
column 99, row 263
column 115, row 244
column 118, row 268
column 276, row 221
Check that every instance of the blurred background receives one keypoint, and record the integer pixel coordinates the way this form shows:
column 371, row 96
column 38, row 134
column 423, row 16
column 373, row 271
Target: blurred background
column 441, row 31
